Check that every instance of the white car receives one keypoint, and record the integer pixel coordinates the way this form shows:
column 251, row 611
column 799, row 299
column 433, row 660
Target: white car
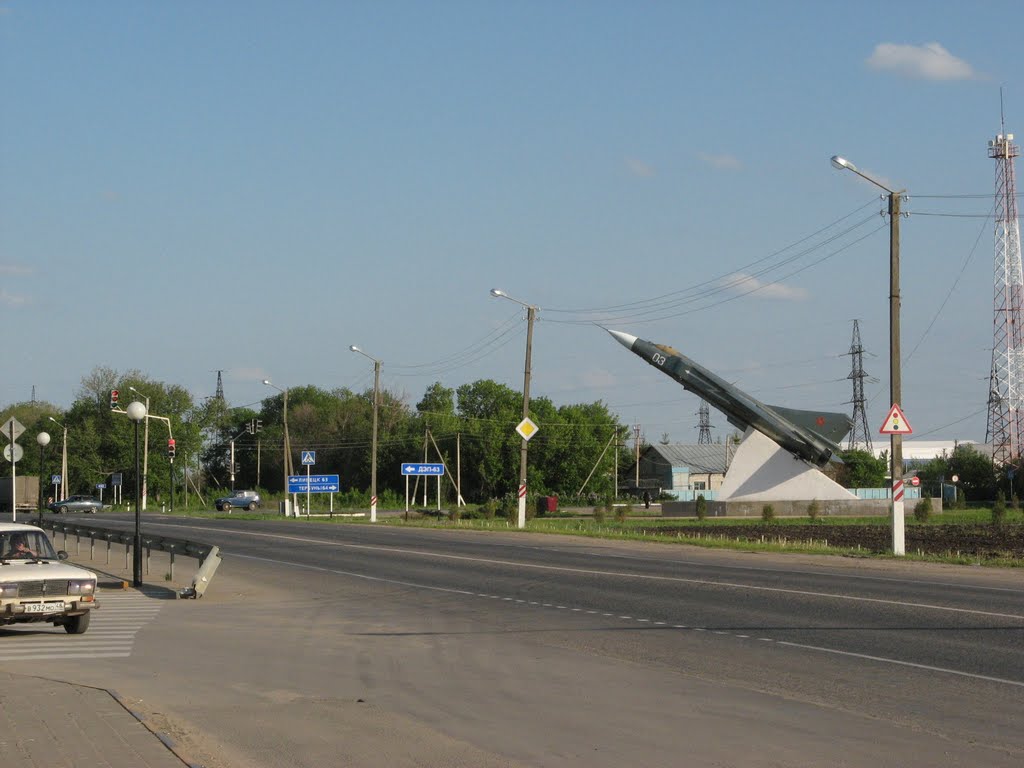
column 37, row 586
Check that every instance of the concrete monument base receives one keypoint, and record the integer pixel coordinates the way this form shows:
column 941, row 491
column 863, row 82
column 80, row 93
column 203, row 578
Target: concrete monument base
column 763, row 471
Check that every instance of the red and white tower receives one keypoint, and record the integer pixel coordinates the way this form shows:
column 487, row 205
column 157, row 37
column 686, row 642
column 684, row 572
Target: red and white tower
column 1005, row 429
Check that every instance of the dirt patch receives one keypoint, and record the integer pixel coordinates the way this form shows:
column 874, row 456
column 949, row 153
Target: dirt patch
column 982, row 541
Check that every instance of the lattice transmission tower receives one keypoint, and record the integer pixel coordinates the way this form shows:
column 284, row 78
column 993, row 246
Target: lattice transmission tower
column 1005, row 413
column 220, row 386
column 860, row 435
column 704, row 425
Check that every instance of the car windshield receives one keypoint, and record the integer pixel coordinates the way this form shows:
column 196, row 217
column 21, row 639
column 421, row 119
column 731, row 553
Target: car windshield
column 25, row 545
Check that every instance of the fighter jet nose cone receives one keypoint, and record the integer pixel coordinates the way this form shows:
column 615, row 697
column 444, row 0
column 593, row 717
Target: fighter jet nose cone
column 624, row 339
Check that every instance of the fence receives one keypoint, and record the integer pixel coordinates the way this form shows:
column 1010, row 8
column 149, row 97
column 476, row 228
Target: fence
column 207, row 554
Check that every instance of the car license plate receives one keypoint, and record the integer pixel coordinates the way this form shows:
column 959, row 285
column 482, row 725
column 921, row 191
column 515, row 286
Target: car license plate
column 44, row 607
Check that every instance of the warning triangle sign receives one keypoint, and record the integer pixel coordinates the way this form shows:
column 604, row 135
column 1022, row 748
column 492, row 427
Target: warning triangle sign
column 896, row 423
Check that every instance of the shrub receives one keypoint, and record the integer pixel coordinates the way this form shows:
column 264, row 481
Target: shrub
column 767, row 513
column 1015, row 501
column 598, row 514
column 454, row 514
column 999, row 509
column 702, row 507
column 922, row 510
column 621, row 512
column 490, row 508
column 813, row 510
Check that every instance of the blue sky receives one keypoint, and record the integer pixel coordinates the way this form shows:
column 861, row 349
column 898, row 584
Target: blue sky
column 255, row 186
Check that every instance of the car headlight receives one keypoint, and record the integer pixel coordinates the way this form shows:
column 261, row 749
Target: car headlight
column 81, row 587
column 8, row 590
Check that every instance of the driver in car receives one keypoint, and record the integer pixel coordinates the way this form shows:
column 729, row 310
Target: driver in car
column 19, row 548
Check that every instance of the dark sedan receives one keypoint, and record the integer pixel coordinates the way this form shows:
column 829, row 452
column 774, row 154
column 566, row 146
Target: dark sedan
column 76, row 504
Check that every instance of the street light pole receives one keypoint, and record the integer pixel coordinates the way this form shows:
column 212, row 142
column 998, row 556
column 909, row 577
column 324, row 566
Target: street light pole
column 287, row 460
column 531, row 314
column 895, row 373
column 43, row 438
column 373, row 449
column 137, row 412
column 63, row 460
column 145, row 451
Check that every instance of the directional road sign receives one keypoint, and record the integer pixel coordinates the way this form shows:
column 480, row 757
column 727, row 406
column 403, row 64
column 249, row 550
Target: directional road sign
column 317, row 484
column 308, row 458
column 423, row 469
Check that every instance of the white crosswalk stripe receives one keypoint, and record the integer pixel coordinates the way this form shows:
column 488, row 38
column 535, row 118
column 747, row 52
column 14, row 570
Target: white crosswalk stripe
column 111, row 632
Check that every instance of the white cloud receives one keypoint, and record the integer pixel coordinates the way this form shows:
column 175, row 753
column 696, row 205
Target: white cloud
column 12, row 299
column 721, row 161
column 747, row 284
column 923, row 62
column 639, row 168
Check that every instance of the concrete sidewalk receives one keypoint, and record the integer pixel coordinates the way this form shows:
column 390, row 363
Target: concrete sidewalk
column 53, row 724
column 50, row 724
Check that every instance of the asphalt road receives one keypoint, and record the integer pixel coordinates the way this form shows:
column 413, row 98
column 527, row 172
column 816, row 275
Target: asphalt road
column 370, row 645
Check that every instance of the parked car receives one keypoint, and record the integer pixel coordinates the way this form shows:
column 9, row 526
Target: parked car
column 249, row 500
column 76, row 504
column 37, row 586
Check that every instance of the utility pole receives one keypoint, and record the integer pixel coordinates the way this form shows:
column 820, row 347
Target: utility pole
column 636, row 447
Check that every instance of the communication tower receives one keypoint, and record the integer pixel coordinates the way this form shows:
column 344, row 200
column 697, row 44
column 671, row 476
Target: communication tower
column 1005, row 427
column 860, row 435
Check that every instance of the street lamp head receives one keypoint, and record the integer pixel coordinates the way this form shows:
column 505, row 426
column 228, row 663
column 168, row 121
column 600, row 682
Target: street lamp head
column 841, row 163
column 498, row 292
column 267, row 382
column 43, row 438
column 354, row 348
column 136, row 411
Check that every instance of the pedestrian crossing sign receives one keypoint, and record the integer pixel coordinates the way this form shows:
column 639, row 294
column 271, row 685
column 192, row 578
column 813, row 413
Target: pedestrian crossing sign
column 896, row 423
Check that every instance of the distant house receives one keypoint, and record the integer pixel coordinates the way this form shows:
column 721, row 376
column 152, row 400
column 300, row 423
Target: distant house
column 682, row 470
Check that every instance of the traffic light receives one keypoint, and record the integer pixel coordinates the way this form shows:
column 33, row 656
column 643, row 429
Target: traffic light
column 259, row 425
column 170, row 447
column 249, row 427
column 113, row 399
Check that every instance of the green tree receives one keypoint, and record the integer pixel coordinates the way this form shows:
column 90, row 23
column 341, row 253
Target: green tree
column 861, row 469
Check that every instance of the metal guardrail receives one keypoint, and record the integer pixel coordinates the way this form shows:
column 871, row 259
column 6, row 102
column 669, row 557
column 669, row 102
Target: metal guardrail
column 208, row 555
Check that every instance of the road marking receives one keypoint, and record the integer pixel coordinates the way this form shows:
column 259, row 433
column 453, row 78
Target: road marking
column 111, row 632
column 879, row 659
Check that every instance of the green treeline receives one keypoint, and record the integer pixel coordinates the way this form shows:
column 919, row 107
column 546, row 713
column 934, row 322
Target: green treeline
column 472, row 427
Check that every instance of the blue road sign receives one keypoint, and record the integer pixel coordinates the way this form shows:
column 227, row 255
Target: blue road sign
column 317, row 484
column 308, row 458
column 423, row 469
column 55, row 479
column 101, row 486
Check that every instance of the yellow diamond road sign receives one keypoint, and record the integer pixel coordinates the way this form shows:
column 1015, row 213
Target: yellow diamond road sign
column 526, row 429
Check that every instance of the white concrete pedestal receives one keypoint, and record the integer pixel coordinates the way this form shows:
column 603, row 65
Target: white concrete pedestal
column 763, row 471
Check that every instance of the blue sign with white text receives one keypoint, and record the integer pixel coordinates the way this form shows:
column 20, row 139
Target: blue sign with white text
column 316, row 484
column 423, row 469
